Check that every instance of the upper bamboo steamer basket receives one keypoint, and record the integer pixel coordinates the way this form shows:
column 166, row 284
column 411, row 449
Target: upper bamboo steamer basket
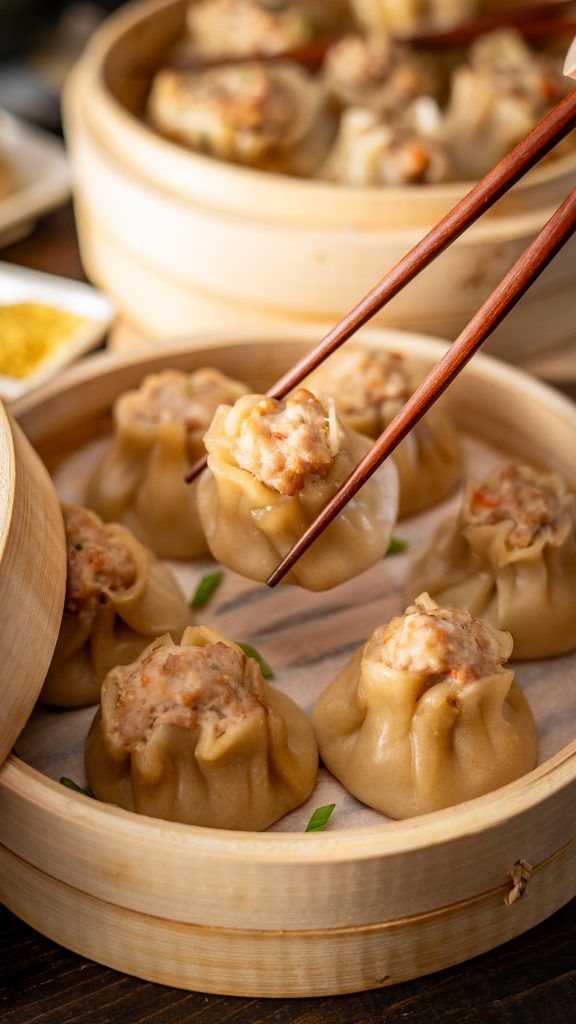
column 32, row 578
column 162, row 227
column 284, row 913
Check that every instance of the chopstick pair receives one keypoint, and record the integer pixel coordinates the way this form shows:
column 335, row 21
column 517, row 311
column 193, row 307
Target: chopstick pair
column 553, row 236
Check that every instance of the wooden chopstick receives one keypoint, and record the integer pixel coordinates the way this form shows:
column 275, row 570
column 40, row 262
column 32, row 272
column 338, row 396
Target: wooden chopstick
column 522, row 275
column 543, row 137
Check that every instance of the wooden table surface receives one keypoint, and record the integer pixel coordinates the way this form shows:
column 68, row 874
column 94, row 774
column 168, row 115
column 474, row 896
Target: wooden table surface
column 532, row 979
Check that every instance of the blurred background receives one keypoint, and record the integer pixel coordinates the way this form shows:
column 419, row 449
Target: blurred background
column 39, row 42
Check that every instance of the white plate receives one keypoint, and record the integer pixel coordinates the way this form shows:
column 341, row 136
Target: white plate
column 37, row 172
column 20, row 285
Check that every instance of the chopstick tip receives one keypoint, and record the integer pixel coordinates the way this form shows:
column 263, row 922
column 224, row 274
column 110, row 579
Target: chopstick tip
column 196, row 470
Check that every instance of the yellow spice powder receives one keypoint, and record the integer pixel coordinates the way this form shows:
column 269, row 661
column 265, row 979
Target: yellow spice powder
column 29, row 331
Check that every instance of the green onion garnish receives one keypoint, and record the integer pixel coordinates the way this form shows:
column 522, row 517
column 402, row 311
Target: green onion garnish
column 205, row 589
column 251, row 652
column 74, row 785
column 396, row 546
column 320, row 818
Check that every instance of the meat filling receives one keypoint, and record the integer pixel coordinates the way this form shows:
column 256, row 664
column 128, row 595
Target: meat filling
column 364, row 379
column 185, row 687
column 225, row 111
column 285, row 444
column 441, row 642
column 242, row 27
column 373, row 71
column 518, row 495
column 96, row 561
column 172, row 396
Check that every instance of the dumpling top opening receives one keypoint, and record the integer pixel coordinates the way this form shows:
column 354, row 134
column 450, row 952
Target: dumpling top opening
column 185, row 687
column 374, row 71
column 531, row 501
column 97, row 561
column 240, row 112
column 242, row 27
column 174, row 396
column 362, row 378
column 286, row 443
column 442, row 642
column 515, row 69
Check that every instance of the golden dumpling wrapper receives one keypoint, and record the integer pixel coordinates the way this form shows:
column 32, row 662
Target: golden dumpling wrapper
column 296, row 455
column 369, row 387
column 118, row 598
column 193, row 733
column 425, row 716
column 509, row 556
column 158, row 435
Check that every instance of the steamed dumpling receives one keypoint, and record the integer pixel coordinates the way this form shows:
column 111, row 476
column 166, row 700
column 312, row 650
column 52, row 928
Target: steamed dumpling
column 496, row 99
column 373, row 72
column 158, row 434
column 273, row 465
column 407, row 17
column 369, row 387
column 241, row 28
column 371, row 149
column 253, row 113
column 426, row 715
column 510, row 557
column 118, row 598
column 193, row 733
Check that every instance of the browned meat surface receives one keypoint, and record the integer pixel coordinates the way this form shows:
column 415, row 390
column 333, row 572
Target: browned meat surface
column 96, row 561
column 185, row 687
column 441, row 642
column 285, row 443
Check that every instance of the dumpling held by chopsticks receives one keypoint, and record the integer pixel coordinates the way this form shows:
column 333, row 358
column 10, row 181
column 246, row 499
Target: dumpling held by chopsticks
column 272, row 466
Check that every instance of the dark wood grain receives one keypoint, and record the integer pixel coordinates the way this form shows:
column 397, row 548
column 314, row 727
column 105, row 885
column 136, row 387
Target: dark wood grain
column 52, row 247
column 533, row 261
column 532, row 979
column 529, row 151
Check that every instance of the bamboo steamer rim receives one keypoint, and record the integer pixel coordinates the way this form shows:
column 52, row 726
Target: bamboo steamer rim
column 31, row 598
column 268, row 189
column 421, row 832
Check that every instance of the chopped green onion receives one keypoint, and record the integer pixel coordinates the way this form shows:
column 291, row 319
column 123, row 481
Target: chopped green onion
column 396, row 546
column 320, row 818
column 251, row 652
column 74, row 785
column 205, row 589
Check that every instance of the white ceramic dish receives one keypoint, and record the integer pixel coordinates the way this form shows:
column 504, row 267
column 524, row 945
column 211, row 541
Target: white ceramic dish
column 37, row 173
column 20, row 285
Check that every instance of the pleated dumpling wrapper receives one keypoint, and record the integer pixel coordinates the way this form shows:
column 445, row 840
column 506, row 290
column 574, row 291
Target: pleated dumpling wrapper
column 425, row 715
column 241, row 28
column 509, row 556
column 193, row 733
column 408, row 17
column 375, row 72
column 118, row 598
column 369, row 387
column 273, row 465
column 158, row 434
column 255, row 113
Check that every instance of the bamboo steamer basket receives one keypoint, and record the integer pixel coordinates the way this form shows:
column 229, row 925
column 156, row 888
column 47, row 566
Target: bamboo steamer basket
column 284, row 913
column 163, row 228
column 31, row 590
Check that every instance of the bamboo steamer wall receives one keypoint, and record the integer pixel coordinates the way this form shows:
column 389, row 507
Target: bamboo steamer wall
column 289, row 914
column 186, row 243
